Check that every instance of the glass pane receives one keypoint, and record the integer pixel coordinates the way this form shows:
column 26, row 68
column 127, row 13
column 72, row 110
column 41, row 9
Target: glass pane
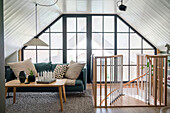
column 97, row 52
column 109, row 40
column 81, row 24
column 108, row 23
column 71, row 40
column 108, row 52
column 57, row 27
column 47, row 30
column 30, row 54
column 56, row 56
column 43, row 56
column 146, row 45
column 122, row 41
column 56, row 41
column 133, row 56
column 132, row 31
column 125, row 56
column 122, row 27
column 133, row 73
column 44, row 37
column 30, row 47
column 135, row 41
column 149, row 52
column 71, row 55
column 81, row 56
column 125, row 73
column 96, row 40
column 97, row 23
column 81, row 40
column 71, row 24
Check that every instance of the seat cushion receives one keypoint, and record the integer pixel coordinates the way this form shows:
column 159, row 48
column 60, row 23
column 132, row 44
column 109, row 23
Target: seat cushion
column 43, row 67
column 79, row 83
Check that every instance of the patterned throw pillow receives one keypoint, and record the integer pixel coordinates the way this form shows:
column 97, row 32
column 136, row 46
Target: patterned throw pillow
column 60, row 71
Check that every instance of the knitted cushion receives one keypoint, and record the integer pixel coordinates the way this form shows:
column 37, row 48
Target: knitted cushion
column 60, row 71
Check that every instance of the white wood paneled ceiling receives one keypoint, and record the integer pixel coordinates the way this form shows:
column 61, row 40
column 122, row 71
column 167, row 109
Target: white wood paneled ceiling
column 19, row 21
column 149, row 17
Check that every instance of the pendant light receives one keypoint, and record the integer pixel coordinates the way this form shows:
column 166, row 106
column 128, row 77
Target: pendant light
column 35, row 41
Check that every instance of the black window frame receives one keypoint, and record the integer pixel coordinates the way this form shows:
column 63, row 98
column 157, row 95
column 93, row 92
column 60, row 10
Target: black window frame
column 89, row 38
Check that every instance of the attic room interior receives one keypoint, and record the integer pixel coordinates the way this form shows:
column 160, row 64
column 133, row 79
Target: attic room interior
column 84, row 56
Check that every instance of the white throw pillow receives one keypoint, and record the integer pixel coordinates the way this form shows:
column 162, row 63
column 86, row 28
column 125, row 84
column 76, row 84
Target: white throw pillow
column 74, row 70
column 26, row 66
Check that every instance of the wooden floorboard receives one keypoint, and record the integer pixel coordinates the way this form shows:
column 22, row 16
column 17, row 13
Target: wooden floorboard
column 131, row 109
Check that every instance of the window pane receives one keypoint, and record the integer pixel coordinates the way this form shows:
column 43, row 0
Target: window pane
column 71, row 55
column 135, row 41
column 71, row 40
column 43, row 56
column 122, row 27
column 56, row 56
column 44, row 37
column 132, row 31
column 125, row 56
column 57, row 27
column 56, row 41
column 108, row 23
column 81, row 56
column 97, row 23
column 133, row 73
column 146, row 45
column 97, row 41
column 125, row 73
column 108, row 52
column 149, row 52
column 71, row 24
column 81, row 24
column 97, row 52
column 133, row 56
column 81, row 40
column 109, row 40
column 30, row 47
column 30, row 54
column 122, row 41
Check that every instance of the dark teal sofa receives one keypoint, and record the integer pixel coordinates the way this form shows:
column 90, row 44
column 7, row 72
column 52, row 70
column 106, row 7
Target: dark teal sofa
column 80, row 84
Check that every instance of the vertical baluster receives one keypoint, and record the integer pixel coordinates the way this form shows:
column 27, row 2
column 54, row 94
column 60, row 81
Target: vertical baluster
column 141, row 87
column 127, row 90
column 100, row 80
column 138, row 88
column 131, row 88
column 110, row 82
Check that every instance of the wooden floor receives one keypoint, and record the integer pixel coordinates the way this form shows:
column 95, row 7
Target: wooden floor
column 130, row 109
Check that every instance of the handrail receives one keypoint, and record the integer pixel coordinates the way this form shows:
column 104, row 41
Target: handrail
column 124, row 86
column 108, row 56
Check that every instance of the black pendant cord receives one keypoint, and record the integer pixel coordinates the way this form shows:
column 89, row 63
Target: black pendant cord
column 36, row 18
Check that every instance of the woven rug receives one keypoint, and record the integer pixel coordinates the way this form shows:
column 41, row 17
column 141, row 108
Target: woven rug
column 48, row 102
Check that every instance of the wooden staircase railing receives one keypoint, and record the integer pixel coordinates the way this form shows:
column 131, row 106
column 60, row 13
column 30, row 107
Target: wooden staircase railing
column 149, row 87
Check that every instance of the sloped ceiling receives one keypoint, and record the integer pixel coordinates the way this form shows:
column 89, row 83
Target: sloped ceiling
column 19, row 21
column 149, row 17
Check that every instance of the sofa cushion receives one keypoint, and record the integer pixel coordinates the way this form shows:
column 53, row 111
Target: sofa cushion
column 26, row 66
column 53, row 67
column 43, row 67
column 74, row 70
column 79, row 83
column 60, row 71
